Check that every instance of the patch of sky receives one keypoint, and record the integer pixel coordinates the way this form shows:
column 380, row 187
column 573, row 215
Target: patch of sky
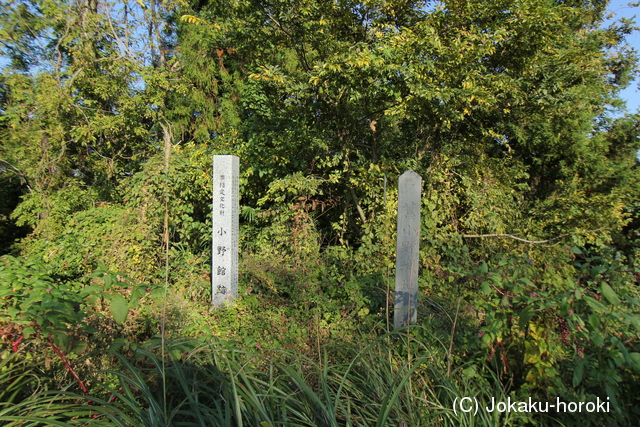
column 621, row 9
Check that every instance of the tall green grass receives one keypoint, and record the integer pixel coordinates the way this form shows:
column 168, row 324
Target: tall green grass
column 392, row 381
column 24, row 400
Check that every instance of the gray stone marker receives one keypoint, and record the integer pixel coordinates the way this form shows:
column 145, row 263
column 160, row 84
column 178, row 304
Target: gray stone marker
column 407, row 247
column 224, row 259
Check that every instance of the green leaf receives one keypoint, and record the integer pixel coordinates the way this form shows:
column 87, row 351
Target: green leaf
column 526, row 281
column 470, row 372
column 597, row 338
column 578, row 372
column 79, row 347
column 578, row 293
column 119, row 309
column 62, row 340
column 496, row 279
column 115, row 345
column 157, row 294
column 635, row 321
column 611, row 395
column 487, row 338
column 609, row 294
column 597, row 270
column 108, row 280
column 631, row 300
column 486, row 288
column 136, row 294
column 617, row 357
column 624, row 352
column 175, row 353
column 525, row 316
column 595, row 304
column 635, row 361
column 28, row 331
column 505, row 301
column 594, row 321
column 484, row 267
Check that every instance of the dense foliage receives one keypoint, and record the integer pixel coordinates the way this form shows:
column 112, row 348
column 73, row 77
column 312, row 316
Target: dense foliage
column 509, row 110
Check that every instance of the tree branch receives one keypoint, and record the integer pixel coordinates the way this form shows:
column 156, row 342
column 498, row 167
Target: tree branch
column 511, row 236
column 360, row 211
column 533, row 242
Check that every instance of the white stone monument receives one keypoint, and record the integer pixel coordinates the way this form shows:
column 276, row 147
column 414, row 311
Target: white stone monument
column 407, row 249
column 224, row 258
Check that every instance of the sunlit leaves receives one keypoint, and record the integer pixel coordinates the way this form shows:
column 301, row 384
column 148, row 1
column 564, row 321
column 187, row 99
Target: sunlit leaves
column 119, row 309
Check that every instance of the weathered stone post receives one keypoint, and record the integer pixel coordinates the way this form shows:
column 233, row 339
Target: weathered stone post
column 224, row 258
column 407, row 249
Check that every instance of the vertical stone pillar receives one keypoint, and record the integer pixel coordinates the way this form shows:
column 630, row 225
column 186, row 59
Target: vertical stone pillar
column 224, row 259
column 407, row 249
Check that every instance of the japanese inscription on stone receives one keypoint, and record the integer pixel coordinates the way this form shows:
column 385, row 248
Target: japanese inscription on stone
column 407, row 249
column 224, row 259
